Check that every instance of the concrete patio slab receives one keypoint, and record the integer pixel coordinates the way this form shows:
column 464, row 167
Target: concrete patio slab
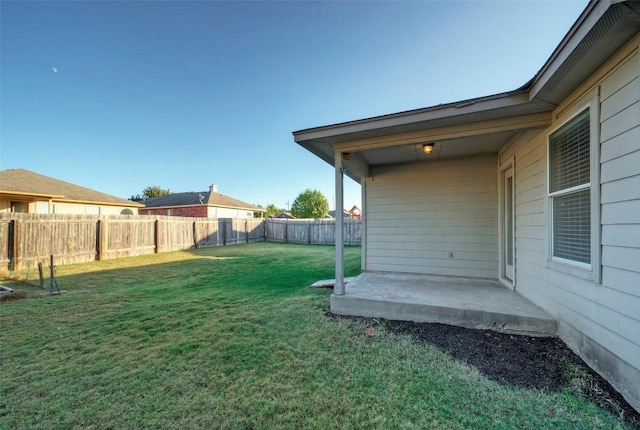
column 466, row 302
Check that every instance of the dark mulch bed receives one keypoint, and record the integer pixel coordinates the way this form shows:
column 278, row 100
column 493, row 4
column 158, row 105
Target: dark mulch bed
column 521, row 361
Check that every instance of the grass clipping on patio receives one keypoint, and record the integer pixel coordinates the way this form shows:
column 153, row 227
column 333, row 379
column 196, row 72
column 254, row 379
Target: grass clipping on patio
column 233, row 338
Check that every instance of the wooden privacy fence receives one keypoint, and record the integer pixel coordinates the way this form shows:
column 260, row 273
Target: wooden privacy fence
column 313, row 231
column 27, row 239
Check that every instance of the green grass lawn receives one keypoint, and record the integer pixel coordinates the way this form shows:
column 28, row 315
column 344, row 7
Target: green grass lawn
column 234, row 338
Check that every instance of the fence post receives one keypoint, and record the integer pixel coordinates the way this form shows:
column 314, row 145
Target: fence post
column 246, row 229
column 156, row 236
column 309, row 233
column 264, row 230
column 224, row 232
column 13, row 244
column 51, row 274
column 286, row 231
column 99, row 240
column 195, row 238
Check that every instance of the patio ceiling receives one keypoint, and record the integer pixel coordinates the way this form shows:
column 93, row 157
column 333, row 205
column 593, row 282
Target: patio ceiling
column 479, row 126
column 460, row 147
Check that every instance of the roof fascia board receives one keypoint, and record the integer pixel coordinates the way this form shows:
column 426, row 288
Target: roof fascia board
column 247, row 207
column 173, row 207
column 522, row 122
column 256, row 209
column 89, row 202
column 20, row 193
column 252, row 208
column 461, row 108
column 585, row 22
column 322, row 150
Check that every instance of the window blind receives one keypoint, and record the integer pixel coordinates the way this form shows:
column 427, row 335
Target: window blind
column 572, row 226
column 569, row 155
column 569, row 169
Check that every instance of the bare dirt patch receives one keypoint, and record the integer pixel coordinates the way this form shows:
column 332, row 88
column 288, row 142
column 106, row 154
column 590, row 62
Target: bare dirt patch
column 16, row 295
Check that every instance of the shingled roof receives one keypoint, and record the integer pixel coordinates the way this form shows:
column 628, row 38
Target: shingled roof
column 27, row 183
column 209, row 198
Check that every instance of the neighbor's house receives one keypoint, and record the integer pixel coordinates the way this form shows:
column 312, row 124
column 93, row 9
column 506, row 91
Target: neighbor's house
column 353, row 213
column 332, row 214
column 283, row 215
column 28, row 192
column 205, row 204
column 538, row 187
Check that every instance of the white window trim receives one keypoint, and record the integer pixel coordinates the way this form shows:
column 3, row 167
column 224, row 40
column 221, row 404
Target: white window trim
column 570, row 190
column 509, row 163
column 591, row 272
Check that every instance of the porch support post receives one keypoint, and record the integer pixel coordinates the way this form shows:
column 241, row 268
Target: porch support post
column 338, row 288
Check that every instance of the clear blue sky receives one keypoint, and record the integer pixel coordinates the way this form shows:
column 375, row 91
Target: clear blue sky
column 117, row 96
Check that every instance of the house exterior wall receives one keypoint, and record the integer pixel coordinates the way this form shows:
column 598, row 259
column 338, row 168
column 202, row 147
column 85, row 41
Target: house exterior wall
column 5, row 204
column 598, row 310
column 81, row 209
column 199, row 211
column 215, row 212
column 45, row 206
column 433, row 217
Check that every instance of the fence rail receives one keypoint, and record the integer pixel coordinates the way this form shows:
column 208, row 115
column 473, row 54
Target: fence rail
column 27, row 239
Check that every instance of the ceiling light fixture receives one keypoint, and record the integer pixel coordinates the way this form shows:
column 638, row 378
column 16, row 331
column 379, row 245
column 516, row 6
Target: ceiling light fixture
column 427, row 148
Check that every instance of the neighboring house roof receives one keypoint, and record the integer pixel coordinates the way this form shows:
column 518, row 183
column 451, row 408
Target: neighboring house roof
column 484, row 124
column 209, row 198
column 285, row 214
column 21, row 182
column 345, row 213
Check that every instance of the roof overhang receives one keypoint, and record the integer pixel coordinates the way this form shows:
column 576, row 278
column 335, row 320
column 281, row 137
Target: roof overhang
column 244, row 208
column 129, row 204
column 12, row 194
column 473, row 126
column 602, row 28
column 485, row 124
column 38, row 197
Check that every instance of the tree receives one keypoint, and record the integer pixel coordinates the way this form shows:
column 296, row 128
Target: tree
column 150, row 192
column 272, row 210
column 155, row 191
column 310, row 204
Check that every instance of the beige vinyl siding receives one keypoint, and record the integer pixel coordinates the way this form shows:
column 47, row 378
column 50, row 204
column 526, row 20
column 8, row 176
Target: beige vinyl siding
column 620, row 199
column 530, row 202
column 606, row 314
column 419, row 214
column 86, row 209
column 216, row 212
column 620, row 181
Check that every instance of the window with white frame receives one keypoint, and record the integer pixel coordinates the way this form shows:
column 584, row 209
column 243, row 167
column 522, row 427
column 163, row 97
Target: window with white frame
column 570, row 190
